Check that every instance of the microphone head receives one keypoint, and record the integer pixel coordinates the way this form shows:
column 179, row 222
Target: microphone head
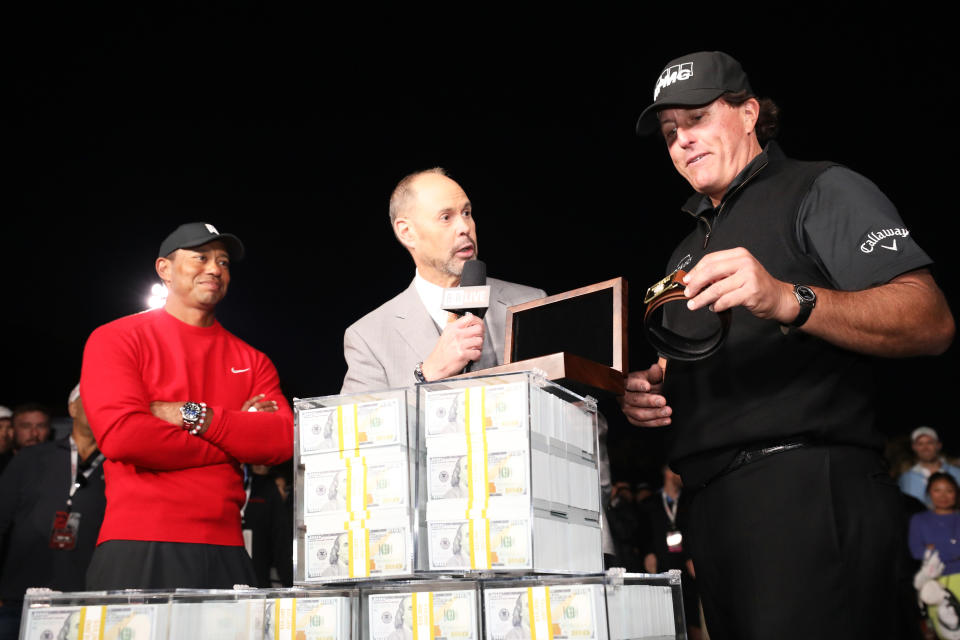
column 474, row 274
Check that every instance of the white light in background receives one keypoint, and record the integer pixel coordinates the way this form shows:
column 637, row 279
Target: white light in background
column 158, row 295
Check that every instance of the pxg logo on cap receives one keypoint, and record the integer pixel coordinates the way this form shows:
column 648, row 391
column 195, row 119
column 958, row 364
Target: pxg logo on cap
column 670, row 75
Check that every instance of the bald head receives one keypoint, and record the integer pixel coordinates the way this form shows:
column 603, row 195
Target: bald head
column 432, row 217
column 404, row 193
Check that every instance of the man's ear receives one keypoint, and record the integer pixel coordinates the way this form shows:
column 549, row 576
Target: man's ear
column 405, row 232
column 751, row 113
column 162, row 266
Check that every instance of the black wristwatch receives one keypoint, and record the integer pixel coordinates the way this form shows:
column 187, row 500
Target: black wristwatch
column 807, row 299
column 418, row 372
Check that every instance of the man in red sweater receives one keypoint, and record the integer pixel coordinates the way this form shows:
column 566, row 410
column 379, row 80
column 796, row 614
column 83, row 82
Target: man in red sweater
column 177, row 404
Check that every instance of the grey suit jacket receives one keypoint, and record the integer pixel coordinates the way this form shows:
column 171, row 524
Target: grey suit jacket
column 383, row 347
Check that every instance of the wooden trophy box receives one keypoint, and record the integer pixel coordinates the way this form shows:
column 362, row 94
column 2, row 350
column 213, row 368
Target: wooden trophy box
column 577, row 338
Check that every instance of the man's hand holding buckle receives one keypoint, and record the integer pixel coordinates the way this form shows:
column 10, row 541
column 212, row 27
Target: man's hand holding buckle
column 734, row 278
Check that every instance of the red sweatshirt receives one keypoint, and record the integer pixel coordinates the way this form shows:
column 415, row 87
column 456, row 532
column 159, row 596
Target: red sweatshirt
column 164, row 484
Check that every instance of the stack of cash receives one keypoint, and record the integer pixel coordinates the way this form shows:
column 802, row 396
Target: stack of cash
column 99, row 622
column 423, row 615
column 223, row 618
column 354, row 492
column 545, row 612
column 48, row 623
column 638, row 611
column 510, row 476
column 311, row 618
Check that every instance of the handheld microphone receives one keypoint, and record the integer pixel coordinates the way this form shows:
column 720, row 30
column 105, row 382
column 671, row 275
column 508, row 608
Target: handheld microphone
column 473, row 294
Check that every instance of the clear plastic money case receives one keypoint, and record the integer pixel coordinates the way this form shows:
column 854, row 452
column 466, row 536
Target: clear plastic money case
column 507, row 477
column 645, row 606
column 420, row 610
column 312, row 613
column 354, row 487
column 217, row 613
column 94, row 614
column 609, row 606
column 237, row 614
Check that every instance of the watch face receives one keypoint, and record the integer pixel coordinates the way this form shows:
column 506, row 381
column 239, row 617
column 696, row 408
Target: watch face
column 190, row 411
column 805, row 294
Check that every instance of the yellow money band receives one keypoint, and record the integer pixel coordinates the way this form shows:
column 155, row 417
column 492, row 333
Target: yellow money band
column 356, row 431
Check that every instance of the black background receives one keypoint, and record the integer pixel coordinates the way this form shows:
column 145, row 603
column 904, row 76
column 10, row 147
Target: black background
column 290, row 128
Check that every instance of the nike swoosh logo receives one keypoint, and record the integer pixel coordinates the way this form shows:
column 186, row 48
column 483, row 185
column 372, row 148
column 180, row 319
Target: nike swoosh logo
column 239, row 370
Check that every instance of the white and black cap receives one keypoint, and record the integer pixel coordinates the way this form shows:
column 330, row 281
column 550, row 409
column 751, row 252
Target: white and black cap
column 693, row 80
column 924, row 431
column 194, row 234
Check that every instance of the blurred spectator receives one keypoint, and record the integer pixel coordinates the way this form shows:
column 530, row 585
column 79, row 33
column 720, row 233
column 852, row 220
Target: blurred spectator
column 926, row 447
column 624, row 523
column 934, row 539
column 51, row 507
column 6, row 436
column 268, row 527
column 663, row 517
column 31, row 425
column 642, row 490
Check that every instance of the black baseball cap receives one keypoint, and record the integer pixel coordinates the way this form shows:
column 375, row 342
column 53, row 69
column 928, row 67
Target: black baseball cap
column 693, row 80
column 194, row 234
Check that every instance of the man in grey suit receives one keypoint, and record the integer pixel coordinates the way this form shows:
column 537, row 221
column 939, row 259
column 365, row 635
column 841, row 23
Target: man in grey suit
column 409, row 338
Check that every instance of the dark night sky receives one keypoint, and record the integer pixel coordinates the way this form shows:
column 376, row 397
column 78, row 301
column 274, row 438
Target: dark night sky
column 290, row 129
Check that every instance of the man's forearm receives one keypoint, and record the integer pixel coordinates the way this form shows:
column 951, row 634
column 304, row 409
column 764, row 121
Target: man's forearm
column 908, row 316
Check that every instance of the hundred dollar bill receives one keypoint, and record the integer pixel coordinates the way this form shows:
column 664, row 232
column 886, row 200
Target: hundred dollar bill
column 449, row 545
column 320, row 618
column 134, row 622
column 507, row 473
column 390, row 551
column 445, row 412
column 325, row 490
column 507, row 614
column 332, row 484
column 510, row 544
column 449, row 476
column 223, row 620
column 455, row 615
column 391, row 616
column 53, row 622
column 378, row 422
column 505, row 406
column 311, row 619
column 278, row 618
column 386, row 483
column 327, row 555
column 571, row 612
column 318, row 430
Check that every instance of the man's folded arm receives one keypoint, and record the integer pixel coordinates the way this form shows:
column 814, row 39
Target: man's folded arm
column 256, row 437
column 118, row 408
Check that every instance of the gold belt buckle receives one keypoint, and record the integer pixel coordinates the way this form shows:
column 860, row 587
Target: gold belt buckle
column 661, row 287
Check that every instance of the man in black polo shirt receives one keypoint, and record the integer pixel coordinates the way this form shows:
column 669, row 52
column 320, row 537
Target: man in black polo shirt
column 793, row 520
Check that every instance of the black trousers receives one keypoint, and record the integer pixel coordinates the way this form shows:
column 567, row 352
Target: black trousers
column 135, row 564
column 802, row 544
